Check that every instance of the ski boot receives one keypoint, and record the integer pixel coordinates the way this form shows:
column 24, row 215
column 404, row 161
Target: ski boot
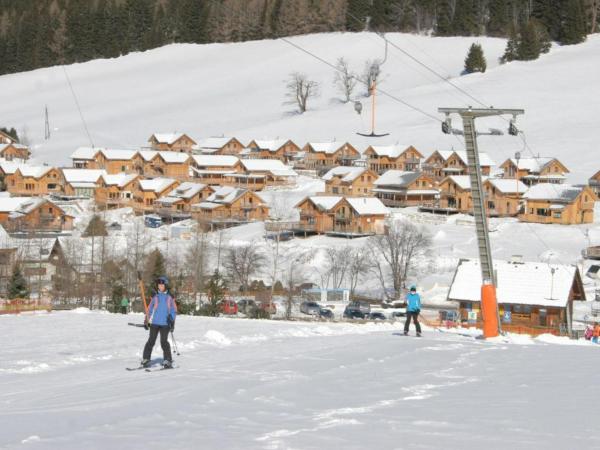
column 167, row 364
column 145, row 363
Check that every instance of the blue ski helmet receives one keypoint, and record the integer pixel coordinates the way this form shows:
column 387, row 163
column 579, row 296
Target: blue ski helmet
column 413, row 288
column 162, row 280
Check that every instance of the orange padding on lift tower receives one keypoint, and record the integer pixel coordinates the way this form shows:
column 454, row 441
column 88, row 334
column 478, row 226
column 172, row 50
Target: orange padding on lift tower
column 489, row 310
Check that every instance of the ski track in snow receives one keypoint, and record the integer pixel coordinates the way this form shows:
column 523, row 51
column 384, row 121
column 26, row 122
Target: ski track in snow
column 278, row 385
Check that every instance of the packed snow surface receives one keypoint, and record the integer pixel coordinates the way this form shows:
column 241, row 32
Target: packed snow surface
column 238, row 90
column 243, row 384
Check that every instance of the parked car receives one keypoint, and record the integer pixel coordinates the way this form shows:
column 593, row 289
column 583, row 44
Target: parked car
column 397, row 303
column 228, row 307
column 353, row 314
column 152, row 221
column 311, row 308
column 326, row 313
column 246, row 305
column 268, row 307
column 114, row 226
column 361, row 306
column 377, row 316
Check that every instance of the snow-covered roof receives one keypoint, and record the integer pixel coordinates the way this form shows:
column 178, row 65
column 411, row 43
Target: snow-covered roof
column 85, row 153
column 174, row 157
column 397, row 178
column 225, row 195
column 148, row 155
column 534, row 165
column 119, row 179
column 508, row 186
column 82, row 175
column 11, row 204
column 34, row 250
column 346, row 173
column 10, row 167
column 528, row 283
column 215, row 160
column 484, row 158
column 274, row 166
column 34, row 171
column 185, row 190
column 463, row 181
column 326, row 147
column 366, row 206
column 391, row 151
column 270, row 145
column 119, row 154
column 207, row 205
column 156, row 184
column 167, row 138
column 214, row 142
column 17, row 146
column 558, row 193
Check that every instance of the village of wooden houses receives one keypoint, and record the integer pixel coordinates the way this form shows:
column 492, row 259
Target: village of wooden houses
column 219, row 182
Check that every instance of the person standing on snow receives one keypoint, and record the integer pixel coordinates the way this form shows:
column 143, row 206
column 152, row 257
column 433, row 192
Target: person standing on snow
column 124, row 305
column 413, row 308
column 160, row 319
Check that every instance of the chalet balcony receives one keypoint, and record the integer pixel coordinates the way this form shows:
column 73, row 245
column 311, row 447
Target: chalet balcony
column 306, row 215
column 343, row 219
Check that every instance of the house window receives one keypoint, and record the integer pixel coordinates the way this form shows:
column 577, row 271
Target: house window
column 491, row 205
column 557, row 214
column 542, row 212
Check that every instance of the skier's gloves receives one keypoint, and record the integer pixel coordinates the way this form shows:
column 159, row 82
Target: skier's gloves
column 171, row 323
column 145, row 323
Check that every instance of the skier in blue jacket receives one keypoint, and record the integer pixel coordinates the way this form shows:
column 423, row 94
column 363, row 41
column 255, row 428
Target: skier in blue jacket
column 160, row 319
column 413, row 308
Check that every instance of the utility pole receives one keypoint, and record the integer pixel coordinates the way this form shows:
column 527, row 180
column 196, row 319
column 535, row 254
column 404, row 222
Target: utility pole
column 489, row 305
column 47, row 124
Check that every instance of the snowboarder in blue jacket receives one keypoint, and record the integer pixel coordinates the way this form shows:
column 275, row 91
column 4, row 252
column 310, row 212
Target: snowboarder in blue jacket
column 160, row 319
column 413, row 308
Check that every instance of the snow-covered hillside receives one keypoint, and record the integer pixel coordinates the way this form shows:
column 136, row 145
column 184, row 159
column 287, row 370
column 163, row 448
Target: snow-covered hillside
column 238, row 89
column 244, row 384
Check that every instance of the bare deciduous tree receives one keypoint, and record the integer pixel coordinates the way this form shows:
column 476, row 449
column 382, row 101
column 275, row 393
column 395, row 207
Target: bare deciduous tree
column 344, row 80
column 294, row 274
column 396, row 253
column 371, row 74
column 337, row 263
column 359, row 266
column 244, row 261
column 299, row 89
column 196, row 257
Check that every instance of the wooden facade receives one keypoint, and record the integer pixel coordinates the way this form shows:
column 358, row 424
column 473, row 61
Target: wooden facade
column 230, row 206
column 398, row 189
column 213, row 169
column 178, row 203
column 559, row 204
column 455, row 194
column 34, row 214
column 350, row 181
column 116, row 191
column 283, row 150
column 220, row 146
column 163, row 164
column 6, row 138
column 147, row 192
column 323, row 156
column 434, row 164
column 503, row 196
column 532, row 171
column 341, row 215
column 11, row 152
column 175, row 142
column 35, row 181
column 594, row 183
column 383, row 158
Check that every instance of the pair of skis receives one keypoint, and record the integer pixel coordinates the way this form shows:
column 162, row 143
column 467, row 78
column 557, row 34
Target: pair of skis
column 154, row 368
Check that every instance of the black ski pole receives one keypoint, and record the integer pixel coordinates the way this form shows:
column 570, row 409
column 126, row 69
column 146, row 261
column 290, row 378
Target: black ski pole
column 131, row 324
column 174, row 344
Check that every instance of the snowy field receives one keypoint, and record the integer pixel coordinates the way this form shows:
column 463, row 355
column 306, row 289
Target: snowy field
column 238, row 89
column 243, row 384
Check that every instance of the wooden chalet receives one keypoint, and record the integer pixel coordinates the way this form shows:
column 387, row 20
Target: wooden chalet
column 174, row 142
column 85, row 158
column 436, row 162
column 533, row 297
column 146, row 192
column 535, row 170
column 35, row 181
column 397, row 189
column 350, row 181
column 257, row 174
column 559, row 204
column 8, row 258
column 281, row 149
column 381, row 158
column 177, row 204
column 41, row 259
column 116, row 191
column 213, row 169
column 342, row 216
column 594, row 183
column 322, row 156
column 457, row 164
column 503, row 196
column 230, row 206
column 82, row 182
column 163, row 164
column 14, row 151
column 219, row 146
column 455, row 194
column 33, row 214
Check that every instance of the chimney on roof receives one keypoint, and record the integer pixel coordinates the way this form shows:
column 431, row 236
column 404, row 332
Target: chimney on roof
column 516, row 259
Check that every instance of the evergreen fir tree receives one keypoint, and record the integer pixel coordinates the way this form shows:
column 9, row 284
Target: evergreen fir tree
column 511, row 52
column 358, row 11
column 17, row 286
column 444, row 19
column 529, row 45
column 155, row 267
column 499, row 19
column 216, row 293
column 12, row 132
column 573, row 24
column 96, row 227
column 547, row 13
column 464, row 22
column 475, row 61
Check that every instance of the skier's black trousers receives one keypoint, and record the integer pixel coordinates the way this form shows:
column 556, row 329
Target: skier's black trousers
column 164, row 342
column 414, row 315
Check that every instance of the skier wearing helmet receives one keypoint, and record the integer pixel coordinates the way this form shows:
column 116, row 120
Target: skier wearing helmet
column 160, row 319
column 413, row 308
